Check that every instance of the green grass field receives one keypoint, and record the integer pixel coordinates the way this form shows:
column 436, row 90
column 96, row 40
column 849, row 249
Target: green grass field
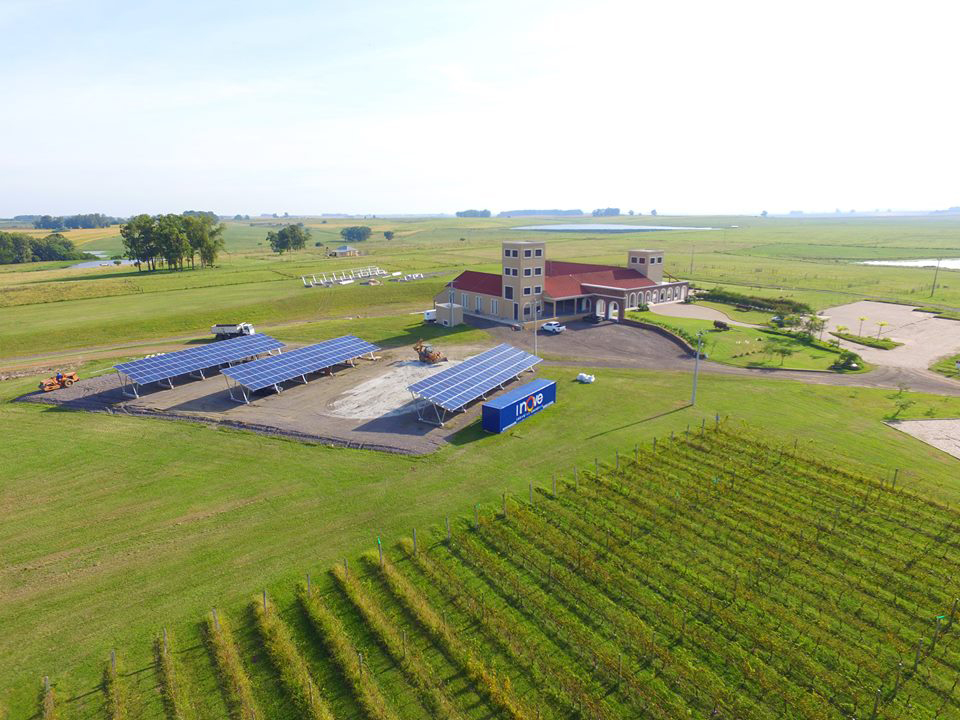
column 118, row 527
column 745, row 347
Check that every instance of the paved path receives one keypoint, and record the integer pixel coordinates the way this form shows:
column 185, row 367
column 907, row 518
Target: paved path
column 698, row 312
column 620, row 346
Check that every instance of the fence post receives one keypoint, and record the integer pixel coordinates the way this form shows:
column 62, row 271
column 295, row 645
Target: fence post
column 265, row 600
column 414, row 541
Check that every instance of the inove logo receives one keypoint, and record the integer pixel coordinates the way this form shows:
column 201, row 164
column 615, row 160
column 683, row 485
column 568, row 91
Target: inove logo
column 530, row 405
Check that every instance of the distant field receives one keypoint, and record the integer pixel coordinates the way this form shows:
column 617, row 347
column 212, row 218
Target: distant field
column 116, row 527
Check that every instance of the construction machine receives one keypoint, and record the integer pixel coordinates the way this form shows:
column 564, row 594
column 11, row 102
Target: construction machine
column 60, row 380
column 428, row 354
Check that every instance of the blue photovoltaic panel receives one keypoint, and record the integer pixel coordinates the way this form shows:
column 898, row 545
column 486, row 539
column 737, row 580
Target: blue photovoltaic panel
column 169, row 365
column 454, row 388
column 276, row 369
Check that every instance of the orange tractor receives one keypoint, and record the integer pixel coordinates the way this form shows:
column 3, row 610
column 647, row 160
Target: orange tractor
column 60, row 380
column 428, row 354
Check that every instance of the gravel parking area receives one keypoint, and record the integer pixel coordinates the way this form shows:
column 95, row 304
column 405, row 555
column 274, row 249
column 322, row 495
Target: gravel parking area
column 941, row 434
column 925, row 338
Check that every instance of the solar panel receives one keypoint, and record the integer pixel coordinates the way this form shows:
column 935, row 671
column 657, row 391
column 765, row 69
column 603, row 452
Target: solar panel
column 459, row 385
column 180, row 362
column 276, row 369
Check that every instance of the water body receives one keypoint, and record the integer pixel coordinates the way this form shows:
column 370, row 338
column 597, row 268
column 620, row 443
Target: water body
column 103, row 261
column 605, row 227
column 945, row 263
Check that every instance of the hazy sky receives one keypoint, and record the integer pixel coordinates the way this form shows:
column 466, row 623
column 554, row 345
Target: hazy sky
column 307, row 107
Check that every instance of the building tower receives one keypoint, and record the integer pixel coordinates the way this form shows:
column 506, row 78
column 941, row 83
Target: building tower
column 523, row 278
column 647, row 262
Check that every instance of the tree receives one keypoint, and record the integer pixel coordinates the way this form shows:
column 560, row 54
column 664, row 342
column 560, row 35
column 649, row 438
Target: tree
column 171, row 240
column 783, row 349
column 862, row 320
column 205, row 237
column 388, row 234
column 473, row 213
column 138, row 240
column 355, row 233
column 653, row 212
column 842, row 329
column 606, row 212
column 763, row 214
column 289, row 238
column 880, row 326
column 813, row 325
column 629, row 212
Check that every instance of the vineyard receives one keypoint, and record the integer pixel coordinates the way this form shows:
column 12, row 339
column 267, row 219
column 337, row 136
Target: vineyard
column 711, row 575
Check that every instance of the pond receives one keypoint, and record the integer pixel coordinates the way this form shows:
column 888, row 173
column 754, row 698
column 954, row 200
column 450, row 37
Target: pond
column 102, row 261
column 945, row 263
column 605, row 227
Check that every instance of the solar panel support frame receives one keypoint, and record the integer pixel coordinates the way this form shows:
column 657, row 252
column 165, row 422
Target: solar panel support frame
column 134, row 387
column 423, row 405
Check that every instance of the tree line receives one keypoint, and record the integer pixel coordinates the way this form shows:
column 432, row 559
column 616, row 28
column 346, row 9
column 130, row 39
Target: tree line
column 171, row 240
column 473, row 213
column 22, row 248
column 71, row 222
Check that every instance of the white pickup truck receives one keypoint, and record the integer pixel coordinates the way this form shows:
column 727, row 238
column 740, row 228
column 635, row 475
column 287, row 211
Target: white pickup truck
column 553, row 327
column 226, row 331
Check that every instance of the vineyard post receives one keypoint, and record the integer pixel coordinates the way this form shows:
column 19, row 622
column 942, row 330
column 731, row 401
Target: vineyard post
column 113, row 661
column 896, row 685
column 617, row 455
column 414, row 541
column 531, row 493
column 687, row 431
column 380, row 551
column 554, row 486
column 265, row 601
column 404, row 643
column 308, row 584
column 636, row 453
column 504, row 505
column 876, row 704
column 360, row 662
column 916, row 658
column 476, row 516
column 896, row 472
column 46, row 684
column 346, row 567
column 671, row 436
column 936, row 633
column 576, row 479
column 448, row 529
column 596, row 467
column 953, row 613
column 619, row 668
column 716, row 421
column 166, row 644
column 703, row 425
column 654, row 444
column 216, row 620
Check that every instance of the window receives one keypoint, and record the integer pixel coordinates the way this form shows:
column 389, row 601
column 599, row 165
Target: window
column 506, row 253
column 539, row 252
column 479, row 303
column 515, row 253
column 465, row 300
column 506, row 271
column 538, row 271
column 659, row 259
column 527, row 253
column 526, row 310
column 508, row 292
column 641, row 261
column 494, row 306
column 526, row 291
column 537, row 289
column 527, row 272
column 515, row 272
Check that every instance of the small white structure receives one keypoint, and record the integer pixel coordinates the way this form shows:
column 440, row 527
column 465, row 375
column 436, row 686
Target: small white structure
column 449, row 314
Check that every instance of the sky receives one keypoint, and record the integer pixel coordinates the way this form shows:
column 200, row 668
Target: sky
column 431, row 107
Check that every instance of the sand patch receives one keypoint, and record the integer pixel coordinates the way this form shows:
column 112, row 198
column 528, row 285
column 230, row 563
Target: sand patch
column 942, row 434
column 387, row 394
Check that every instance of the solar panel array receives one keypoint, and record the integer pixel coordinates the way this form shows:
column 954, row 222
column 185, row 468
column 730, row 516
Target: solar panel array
column 276, row 369
column 455, row 387
column 169, row 365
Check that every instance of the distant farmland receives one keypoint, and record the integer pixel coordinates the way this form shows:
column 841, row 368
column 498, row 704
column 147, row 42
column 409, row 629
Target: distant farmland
column 709, row 576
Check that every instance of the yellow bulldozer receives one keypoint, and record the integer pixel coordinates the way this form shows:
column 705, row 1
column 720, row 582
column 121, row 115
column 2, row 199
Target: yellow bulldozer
column 60, row 380
column 428, row 354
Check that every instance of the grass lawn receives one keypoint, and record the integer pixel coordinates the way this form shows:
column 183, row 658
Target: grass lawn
column 745, row 347
column 754, row 317
column 119, row 526
column 874, row 342
column 947, row 366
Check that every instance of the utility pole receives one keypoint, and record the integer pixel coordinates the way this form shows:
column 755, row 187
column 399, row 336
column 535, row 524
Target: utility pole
column 935, row 273
column 691, row 260
column 696, row 368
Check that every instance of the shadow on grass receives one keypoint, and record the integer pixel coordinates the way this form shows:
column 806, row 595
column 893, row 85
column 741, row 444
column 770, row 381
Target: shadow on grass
column 640, row 421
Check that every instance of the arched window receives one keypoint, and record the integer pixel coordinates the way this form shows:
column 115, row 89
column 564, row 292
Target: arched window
column 648, row 297
column 633, row 300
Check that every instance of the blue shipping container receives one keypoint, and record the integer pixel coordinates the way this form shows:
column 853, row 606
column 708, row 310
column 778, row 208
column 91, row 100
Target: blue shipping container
column 517, row 405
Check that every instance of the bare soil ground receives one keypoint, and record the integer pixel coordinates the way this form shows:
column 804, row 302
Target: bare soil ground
column 941, row 434
column 364, row 406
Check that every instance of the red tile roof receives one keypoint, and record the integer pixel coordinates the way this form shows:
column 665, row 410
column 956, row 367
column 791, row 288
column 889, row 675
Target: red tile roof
column 567, row 279
column 478, row 282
